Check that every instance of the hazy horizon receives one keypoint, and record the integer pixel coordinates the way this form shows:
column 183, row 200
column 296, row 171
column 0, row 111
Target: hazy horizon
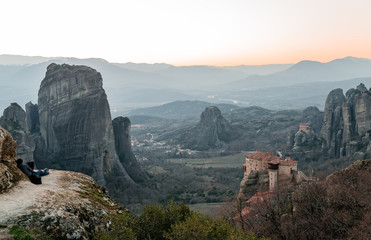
column 166, row 63
column 222, row 33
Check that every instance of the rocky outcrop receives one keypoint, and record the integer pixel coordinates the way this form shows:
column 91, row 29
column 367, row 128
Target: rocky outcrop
column 76, row 130
column 213, row 131
column 32, row 117
column 253, row 183
column 312, row 117
column 333, row 122
column 348, row 114
column 362, row 113
column 14, row 120
column 346, row 130
column 10, row 175
column 121, row 130
column 68, row 205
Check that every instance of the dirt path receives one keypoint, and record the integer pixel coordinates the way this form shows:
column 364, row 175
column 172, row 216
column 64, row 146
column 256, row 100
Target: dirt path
column 25, row 195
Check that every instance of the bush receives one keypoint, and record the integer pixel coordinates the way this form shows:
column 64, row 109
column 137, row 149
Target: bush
column 172, row 221
column 202, row 227
column 120, row 227
column 157, row 219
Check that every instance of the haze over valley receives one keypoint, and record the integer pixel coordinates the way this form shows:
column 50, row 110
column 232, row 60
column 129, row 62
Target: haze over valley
column 131, row 86
column 177, row 120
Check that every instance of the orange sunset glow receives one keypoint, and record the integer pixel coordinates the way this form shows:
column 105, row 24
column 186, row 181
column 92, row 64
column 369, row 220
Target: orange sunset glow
column 205, row 32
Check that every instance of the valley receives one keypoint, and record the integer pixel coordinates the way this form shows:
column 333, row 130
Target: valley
column 192, row 152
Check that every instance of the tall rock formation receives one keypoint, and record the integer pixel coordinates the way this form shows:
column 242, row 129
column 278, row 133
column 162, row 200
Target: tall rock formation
column 14, row 120
column 121, row 130
column 213, row 131
column 347, row 123
column 32, row 117
column 333, row 122
column 76, row 130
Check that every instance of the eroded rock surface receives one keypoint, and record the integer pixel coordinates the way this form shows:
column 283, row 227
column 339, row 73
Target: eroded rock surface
column 14, row 120
column 253, row 183
column 121, row 130
column 10, row 175
column 333, row 122
column 76, row 130
column 68, row 205
column 347, row 125
column 213, row 131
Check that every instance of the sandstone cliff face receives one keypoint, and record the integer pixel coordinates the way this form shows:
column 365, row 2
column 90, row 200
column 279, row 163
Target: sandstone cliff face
column 213, row 131
column 362, row 112
column 121, row 130
column 32, row 117
column 333, row 122
column 347, row 122
column 253, row 183
column 10, row 175
column 76, row 130
column 14, row 120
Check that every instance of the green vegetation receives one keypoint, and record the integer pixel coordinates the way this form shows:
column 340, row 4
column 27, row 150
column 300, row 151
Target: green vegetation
column 232, row 161
column 172, row 221
column 20, row 233
column 178, row 182
column 198, row 226
column 182, row 183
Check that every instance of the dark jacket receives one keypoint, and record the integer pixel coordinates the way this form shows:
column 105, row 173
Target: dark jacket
column 25, row 169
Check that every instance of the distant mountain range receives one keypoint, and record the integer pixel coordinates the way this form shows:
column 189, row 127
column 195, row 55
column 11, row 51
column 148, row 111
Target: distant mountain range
column 181, row 110
column 308, row 71
column 131, row 86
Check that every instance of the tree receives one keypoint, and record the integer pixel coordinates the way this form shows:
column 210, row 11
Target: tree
column 202, row 227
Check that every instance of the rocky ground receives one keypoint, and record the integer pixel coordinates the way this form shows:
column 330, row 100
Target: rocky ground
column 68, row 205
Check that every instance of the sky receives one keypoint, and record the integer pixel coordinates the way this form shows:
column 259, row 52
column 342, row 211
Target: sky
column 188, row 32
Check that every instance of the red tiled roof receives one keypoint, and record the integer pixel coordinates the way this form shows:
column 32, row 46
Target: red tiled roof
column 304, row 126
column 262, row 156
column 271, row 158
column 259, row 196
column 276, row 161
column 288, row 162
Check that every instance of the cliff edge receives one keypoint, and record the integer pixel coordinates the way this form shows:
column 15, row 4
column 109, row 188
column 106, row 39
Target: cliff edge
column 68, row 205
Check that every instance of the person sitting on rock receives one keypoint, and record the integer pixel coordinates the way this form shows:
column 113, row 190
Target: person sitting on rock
column 34, row 176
